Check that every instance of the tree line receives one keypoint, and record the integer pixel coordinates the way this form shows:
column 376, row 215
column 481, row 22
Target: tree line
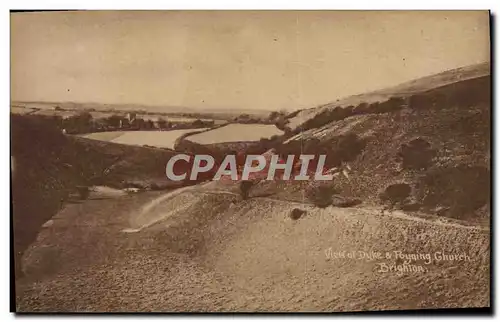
column 84, row 122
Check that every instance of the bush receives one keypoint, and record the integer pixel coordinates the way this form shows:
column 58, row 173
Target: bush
column 339, row 113
column 198, row 123
column 321, row 195
column 463, row 189
column 360, row 109
column 373, row 108
column 425, row 101
column 342, row 148
column 322, row 118
column 392, row 105
column 348, row 147
column 162, row 123
column 80, row 123
column 277, row 115
column 416, row 155
column 396, row 194
column 296, row 213
column 113, row 120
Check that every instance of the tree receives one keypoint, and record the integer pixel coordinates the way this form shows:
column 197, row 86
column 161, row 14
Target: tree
column 198, row 123
column 162, row 123
column 416, row 155
column 113, row 120
column 273, row 115
column 243, row 118
column 79, row 123
column 139, row 123
column 57, row 120
column 148, row 124
column 85, row 117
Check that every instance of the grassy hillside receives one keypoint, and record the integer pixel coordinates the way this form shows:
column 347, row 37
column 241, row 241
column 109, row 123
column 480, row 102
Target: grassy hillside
column 451, row 122
column 49, row 166
column 404, row 90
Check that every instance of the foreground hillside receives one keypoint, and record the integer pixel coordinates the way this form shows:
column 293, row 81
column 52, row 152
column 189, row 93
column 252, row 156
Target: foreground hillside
column 155, row 252
column 50, row 166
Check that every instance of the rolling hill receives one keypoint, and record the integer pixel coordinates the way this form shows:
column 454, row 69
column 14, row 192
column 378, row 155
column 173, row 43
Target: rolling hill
column 407, row 89
column 448, row 113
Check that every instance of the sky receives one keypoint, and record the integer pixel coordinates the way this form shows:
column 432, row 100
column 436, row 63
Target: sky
column 265, row 60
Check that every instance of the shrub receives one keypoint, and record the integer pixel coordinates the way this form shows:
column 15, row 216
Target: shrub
column 348, row 147
column 197, row 123
column 321, row 195
column 396, row 194
column 273, row 115
column 296, row 213
column 277, row 115
column 162, row 123
column 426, row 101
column 391, row 105
column 342, row 148
column 373, row 108
column 80, row 123
column 323, row 118
column 113, row 120
column 361, row 109
column 349, row 110
column 416, row 155
column 463, row 188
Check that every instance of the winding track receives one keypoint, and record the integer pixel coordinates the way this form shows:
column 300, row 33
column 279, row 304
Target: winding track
column 201, row 189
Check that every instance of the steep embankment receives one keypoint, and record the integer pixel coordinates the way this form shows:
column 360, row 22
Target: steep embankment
column 49, row 166
column 152, row 252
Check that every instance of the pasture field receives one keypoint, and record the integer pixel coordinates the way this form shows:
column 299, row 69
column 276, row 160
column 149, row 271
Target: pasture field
column 177, row 119
column 161, row 139
column 104, row 136
column 20, row 110
column 236, row 133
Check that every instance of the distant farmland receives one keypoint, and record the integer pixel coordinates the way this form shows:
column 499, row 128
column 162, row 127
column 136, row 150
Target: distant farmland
column 50, row 111
column 161, row 139
column 20, row 110
column 236, row 133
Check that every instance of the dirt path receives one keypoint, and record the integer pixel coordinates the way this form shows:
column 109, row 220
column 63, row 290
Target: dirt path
column 208, row 189
column 204, row 250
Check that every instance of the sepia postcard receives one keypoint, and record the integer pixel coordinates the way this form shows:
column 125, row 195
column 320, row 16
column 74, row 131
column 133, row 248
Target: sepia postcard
column 250, row 161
